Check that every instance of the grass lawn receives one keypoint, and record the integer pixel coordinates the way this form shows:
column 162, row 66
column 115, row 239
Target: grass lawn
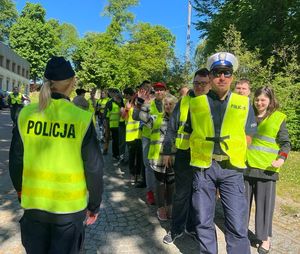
column 288, row 186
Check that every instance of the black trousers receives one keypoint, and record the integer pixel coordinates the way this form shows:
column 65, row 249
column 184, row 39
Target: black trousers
column 181, row 212
column 48, row 238
column 135, row 151
column 263, row 192
column 115, row 141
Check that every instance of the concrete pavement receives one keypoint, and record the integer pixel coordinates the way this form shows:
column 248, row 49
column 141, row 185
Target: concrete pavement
column 126, row 223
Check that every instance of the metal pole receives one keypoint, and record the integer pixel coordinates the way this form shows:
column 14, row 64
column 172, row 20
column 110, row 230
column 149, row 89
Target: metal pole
column 188, row 35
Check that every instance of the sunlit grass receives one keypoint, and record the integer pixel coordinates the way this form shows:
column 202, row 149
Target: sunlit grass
column 288, row 185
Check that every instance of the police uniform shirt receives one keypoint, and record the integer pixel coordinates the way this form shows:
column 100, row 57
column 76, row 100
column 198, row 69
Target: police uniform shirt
column 218, row 108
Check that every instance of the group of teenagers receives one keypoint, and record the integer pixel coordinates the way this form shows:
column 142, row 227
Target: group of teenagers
column 211, row 144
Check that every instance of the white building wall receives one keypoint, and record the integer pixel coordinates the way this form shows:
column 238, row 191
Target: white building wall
column 14, row 70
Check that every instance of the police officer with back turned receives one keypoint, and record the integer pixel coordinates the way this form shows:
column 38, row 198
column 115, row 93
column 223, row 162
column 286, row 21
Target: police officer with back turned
column 56, row 166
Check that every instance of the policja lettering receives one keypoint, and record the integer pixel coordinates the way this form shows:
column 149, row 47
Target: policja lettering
column 51, row 129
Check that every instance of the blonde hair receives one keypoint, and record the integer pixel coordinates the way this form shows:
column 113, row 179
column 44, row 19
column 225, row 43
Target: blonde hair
column 50, row 86
column 171, row 98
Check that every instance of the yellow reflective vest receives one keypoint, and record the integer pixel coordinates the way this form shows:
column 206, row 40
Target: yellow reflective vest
column 232, row 131
column 146, row 131
column 16, row 99
column 264, row 148
column 132, row 127
column 101, row 104
column 182, row 139
column 53, row 170
column 155, row 140
column 113, row 115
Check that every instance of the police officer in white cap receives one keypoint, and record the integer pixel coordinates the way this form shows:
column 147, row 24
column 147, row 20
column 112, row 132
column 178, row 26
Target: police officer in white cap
column 221, row 123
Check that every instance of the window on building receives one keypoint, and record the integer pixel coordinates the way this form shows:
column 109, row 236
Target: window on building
column 23, row 72
column 18, row 69
column 8, row 64
column 13, row 67
column 27, row 74
column 1, row 60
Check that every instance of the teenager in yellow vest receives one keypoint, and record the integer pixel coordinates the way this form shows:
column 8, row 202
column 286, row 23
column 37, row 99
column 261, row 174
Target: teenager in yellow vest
column 268, row 151
column 150, row 109
column 164, row 174
column 182, row 219
column 221, row 124
column 133, row 136
column 56, row 166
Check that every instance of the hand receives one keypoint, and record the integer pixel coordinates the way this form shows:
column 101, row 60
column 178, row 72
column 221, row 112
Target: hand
column 91, row 217
column 167, row 160
column 278, row 163
column 144, row 94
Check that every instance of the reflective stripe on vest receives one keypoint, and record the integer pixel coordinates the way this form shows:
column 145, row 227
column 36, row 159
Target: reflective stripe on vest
column 155, row 140
column 264, row 149
column 114, row 115
column 16, row 99
column 203, row 129
column 146, row 131
column 182, row 139
column 132, row 127
column 53, row 171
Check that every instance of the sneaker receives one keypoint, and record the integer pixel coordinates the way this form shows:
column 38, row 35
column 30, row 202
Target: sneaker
column 150, row 198
column 171, row 237
column 191, row 233
column 162, row 214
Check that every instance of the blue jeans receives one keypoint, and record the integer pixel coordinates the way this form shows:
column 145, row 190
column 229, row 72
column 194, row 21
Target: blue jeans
column 149, row 173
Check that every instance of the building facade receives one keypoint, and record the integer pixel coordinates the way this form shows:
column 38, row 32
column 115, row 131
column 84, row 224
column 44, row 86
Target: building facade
column 14, row 70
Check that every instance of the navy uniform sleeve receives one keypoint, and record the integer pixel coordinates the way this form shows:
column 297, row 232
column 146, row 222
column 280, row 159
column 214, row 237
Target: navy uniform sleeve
column 16, row 153
column 172, row 129
column 93, row 168
column 251, row 124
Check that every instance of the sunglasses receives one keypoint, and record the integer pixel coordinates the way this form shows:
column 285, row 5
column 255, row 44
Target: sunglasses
column 218, row 73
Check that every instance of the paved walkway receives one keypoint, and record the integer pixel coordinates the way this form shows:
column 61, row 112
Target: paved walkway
column 126, row 224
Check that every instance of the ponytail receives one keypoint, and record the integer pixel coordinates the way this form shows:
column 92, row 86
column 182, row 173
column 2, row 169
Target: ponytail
column 45, row 95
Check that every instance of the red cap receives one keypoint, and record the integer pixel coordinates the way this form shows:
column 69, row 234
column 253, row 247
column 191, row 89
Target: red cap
column 160, row 85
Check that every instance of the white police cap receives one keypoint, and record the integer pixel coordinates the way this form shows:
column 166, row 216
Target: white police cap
column 222, row 59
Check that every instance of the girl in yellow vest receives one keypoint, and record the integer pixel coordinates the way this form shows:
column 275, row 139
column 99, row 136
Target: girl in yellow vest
column 164, row 174
column 266, row 154
column 56, row 166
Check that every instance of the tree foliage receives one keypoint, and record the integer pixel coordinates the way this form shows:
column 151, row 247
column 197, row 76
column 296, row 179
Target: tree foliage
column 263, row 24
column 33, row 38
column 8, row 15
column 109, row 60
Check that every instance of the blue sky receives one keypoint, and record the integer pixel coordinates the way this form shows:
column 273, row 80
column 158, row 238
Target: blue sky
column 86, row 16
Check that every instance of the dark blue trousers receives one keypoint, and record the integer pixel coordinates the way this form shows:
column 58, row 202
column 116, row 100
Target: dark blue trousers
column 232, row 191
column 40, row 237
column 181, row 217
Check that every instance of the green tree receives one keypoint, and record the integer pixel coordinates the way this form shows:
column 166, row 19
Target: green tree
column 263, row 24
column 121, row 18
column 8, row 15
column 149, row 50
column 67, row 38
column 33, row 38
